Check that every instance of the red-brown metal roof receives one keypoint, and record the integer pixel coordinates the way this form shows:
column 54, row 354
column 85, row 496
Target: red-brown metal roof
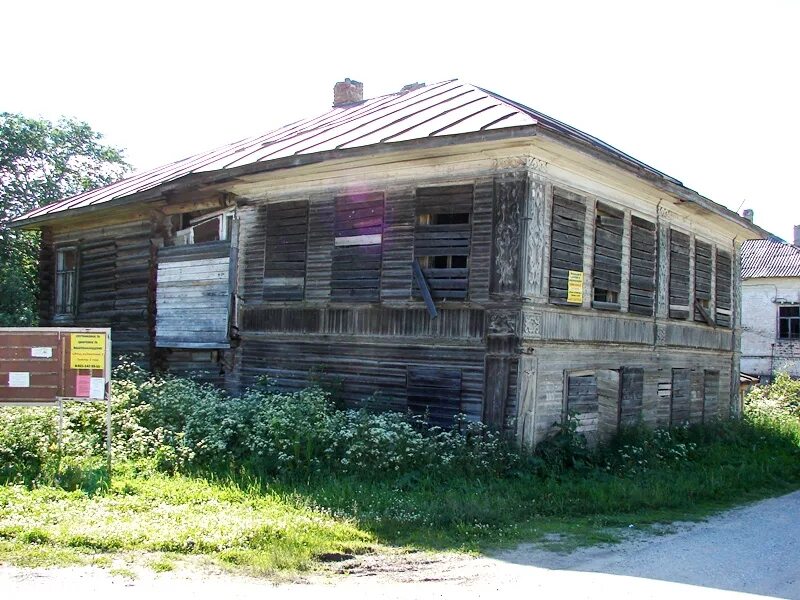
column 441, row 109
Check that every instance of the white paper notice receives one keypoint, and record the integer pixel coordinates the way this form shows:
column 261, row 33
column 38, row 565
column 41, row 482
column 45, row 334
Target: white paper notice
column 43, row 352
column 19, row 379
column 97, row 388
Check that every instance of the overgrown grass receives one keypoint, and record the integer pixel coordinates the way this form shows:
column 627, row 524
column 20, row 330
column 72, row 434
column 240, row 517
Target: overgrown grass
column 275, row 483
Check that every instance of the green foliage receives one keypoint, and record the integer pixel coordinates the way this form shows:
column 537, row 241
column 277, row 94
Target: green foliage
column 41, row 162
column 779, row 399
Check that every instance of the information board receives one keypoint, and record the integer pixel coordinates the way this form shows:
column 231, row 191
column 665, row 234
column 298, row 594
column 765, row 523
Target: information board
column 44, row 365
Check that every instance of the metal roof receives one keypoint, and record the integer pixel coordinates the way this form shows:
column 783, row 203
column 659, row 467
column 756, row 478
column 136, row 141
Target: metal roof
column 769, row 258
column 441, row 109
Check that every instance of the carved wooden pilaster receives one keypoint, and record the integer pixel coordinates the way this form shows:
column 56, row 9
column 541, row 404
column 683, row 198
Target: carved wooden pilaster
column 662, row 275
column 588, row 250
column 534, row 235
column 508, row 205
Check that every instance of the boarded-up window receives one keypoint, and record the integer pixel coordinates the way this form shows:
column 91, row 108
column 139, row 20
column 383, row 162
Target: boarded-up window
column 681, row 396
column 710, row 395
column 566, row 243
column 285, row 258
column 356, row 268
column 630, row 410
column 643, row 267
column 442, row 237
column 434, row 392
column 607, row 272
column 582, row 400
column 702, row 282
column 193, row 296
column 678, row 275
column 723, row 289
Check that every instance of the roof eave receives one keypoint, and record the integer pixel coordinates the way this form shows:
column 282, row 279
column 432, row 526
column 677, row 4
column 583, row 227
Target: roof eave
column 222, row 175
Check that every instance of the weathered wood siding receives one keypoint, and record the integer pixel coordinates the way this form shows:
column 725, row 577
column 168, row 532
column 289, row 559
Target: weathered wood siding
column 193, row 296
column 567, row 236
column 115, row 268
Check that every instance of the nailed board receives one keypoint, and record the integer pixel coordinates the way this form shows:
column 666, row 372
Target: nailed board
column 193, row 296
column 285, row 253
column 679, row 275
column 40, row 365
column 723, row 289
column 641, row 298
column 566, row 242
column 357, row 252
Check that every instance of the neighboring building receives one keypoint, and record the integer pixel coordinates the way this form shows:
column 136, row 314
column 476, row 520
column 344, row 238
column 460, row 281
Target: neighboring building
column 771, row 307
column 446, row 247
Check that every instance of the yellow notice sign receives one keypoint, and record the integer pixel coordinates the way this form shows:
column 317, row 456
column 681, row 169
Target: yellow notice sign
column 87, row 351
column 575, row 287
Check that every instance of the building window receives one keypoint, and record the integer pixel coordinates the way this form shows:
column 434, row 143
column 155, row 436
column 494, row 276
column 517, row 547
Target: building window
column 723, row 290
column 607, row 271
column 358, row 248
column 442, row 238
column 789, row 322
column 210, row 227
column 285, row 251
column 679, row 275
column 643, row 267
column 66, row 281
column 702, row 282
column 566, row 247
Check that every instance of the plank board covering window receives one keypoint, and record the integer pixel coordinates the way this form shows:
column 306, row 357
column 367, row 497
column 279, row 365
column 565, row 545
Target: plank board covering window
column 607, row 271
column 285, row 253
column 789, row 322
column 630, row 403
column 582, row 400
column 357, row 252
column 680, row 404
column 442, row 238
column 566, row 242
column 434, row 392
column 643, row 267
column 710, row 395
column 193, row 296
column 723, row 289
column 702, row 282
column 66, row 281
column 678, row 275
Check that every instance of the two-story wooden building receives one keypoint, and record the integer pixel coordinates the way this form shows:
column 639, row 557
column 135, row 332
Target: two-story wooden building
column 443, row 247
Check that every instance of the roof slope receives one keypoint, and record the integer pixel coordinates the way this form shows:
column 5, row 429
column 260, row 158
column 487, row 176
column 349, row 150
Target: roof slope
column 769, row 258
column 440, row 109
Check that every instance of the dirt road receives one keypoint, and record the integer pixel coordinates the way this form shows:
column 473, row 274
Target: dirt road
column 751, row 550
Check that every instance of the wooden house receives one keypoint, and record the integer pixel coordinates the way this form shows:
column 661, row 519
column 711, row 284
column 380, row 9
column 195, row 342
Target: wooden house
column 444, row 247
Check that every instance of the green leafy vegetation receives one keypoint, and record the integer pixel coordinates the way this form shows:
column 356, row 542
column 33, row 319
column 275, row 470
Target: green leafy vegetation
column 273, row 482
column 41, row 162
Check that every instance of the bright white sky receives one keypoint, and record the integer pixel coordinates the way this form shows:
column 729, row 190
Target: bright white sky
column 705, row 91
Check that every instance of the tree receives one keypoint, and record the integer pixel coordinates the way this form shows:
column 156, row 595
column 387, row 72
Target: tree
column 41, row 162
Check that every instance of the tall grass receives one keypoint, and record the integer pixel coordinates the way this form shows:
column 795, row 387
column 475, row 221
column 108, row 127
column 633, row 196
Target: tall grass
column 275, row 480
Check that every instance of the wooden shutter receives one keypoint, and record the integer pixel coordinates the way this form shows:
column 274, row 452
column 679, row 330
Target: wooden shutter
column 630, row 412
column 607, row 272
column 435, row 392
column 357, row 252
column 681, row 396
column 723, row 289
column 582, row 400
column 710, row 395
column 702, row 282
column 442, row 239
column 678, row 275
column 566, row 243
column 285, row 255
column 643, row 267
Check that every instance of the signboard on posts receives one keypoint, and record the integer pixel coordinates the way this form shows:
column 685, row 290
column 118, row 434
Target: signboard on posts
column 47, row 365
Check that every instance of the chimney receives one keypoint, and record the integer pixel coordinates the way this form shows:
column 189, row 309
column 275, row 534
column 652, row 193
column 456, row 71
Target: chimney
column 747, row 213
column 347, row 92
column 797, row 235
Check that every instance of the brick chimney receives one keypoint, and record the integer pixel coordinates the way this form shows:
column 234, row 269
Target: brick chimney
column 747, row 213
column 797, row 235
column 347, row 92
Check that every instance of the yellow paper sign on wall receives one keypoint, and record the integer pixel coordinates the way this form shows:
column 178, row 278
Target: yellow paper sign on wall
column 575, row 287
column 87, row 351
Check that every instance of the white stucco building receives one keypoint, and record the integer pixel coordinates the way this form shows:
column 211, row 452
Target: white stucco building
column 771, row 307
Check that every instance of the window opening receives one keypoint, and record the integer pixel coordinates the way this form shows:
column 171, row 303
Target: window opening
column 789, row 322
column 66, row 281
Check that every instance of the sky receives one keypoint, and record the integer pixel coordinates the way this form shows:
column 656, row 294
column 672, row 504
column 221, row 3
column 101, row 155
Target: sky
column 706, row 91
